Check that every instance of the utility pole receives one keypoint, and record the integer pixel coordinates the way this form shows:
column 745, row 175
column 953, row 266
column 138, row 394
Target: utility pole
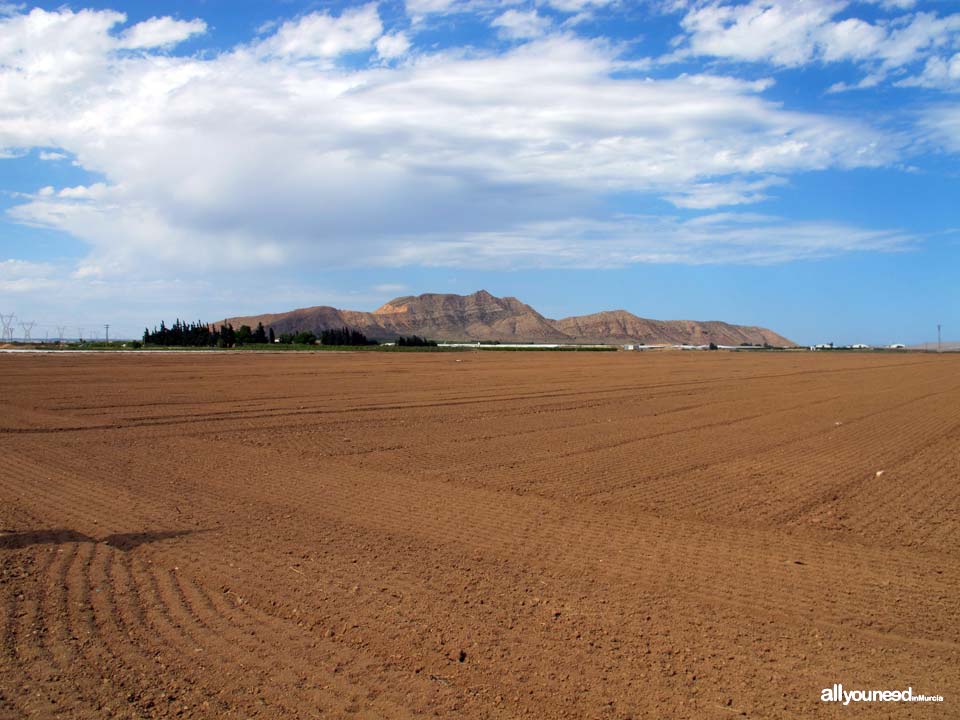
column 27, row 327
column 939, row 344
column 61, row 329
column 7, row 322
column 107, row 330
column 80, row 334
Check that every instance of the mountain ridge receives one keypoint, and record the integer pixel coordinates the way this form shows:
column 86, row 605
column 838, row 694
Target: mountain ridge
column 483, row 316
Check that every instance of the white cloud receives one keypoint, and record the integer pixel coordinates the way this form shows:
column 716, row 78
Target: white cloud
column 577, row 6
column 521, row 24
column 421, row 11
column 124, row 233
column 792, row 33
column 941, row 73
column 702, row 196
column 419, row 8
column 161, row 32
column 97, row 191
column 916, row 37
column 784, row 33
column 891, row 4
column 319, row 35
column 393, row 46
column 867, row 81
column 51, row 156
column 44, row 53
column 22, row 276
column 942, row 123
column 626, row 240
column 262, row 157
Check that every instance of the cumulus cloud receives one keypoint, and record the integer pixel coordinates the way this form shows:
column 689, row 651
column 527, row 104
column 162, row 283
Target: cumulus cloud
column 521, row 24
column 158, row 32
column 792, row 33
column 274, row 153
column 393, row 46
column 940, row 73
column 43, row 53
column 319, row 35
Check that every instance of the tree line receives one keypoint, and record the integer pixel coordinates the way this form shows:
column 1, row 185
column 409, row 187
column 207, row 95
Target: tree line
column 415, row 341
column 336, row 336
column 200, row 334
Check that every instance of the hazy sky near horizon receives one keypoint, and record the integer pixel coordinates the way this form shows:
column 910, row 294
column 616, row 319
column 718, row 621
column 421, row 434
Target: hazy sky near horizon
column 787, row 163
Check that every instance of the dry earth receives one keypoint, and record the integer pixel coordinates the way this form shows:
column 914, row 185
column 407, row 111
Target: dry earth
column 477, row 535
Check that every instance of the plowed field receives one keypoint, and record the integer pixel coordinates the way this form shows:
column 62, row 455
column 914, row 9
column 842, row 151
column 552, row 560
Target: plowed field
column 478, row 535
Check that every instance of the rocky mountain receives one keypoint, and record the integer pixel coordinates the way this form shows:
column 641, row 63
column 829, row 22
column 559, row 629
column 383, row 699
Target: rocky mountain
column 482, row 316
column 620, row 325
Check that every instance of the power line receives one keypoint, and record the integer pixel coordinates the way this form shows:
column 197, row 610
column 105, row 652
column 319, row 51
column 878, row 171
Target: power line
column 107, row 330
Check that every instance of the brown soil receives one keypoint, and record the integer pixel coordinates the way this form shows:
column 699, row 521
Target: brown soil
column 478, row 535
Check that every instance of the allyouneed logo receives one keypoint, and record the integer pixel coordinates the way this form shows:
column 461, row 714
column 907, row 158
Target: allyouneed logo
column 838, row 694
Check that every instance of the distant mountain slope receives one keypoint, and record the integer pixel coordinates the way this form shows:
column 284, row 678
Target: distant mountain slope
column 623, row 326
column 482, row 316
column 479, row 316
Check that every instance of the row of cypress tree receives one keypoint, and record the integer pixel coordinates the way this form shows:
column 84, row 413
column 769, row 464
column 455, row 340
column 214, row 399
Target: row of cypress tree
column 199, row 334
column 415, row 341
column 344, row 336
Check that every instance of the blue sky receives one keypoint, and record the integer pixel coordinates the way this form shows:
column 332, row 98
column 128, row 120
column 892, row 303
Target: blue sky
column 786, row 163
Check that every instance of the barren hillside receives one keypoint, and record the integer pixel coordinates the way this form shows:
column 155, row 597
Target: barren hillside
column 482, row 316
